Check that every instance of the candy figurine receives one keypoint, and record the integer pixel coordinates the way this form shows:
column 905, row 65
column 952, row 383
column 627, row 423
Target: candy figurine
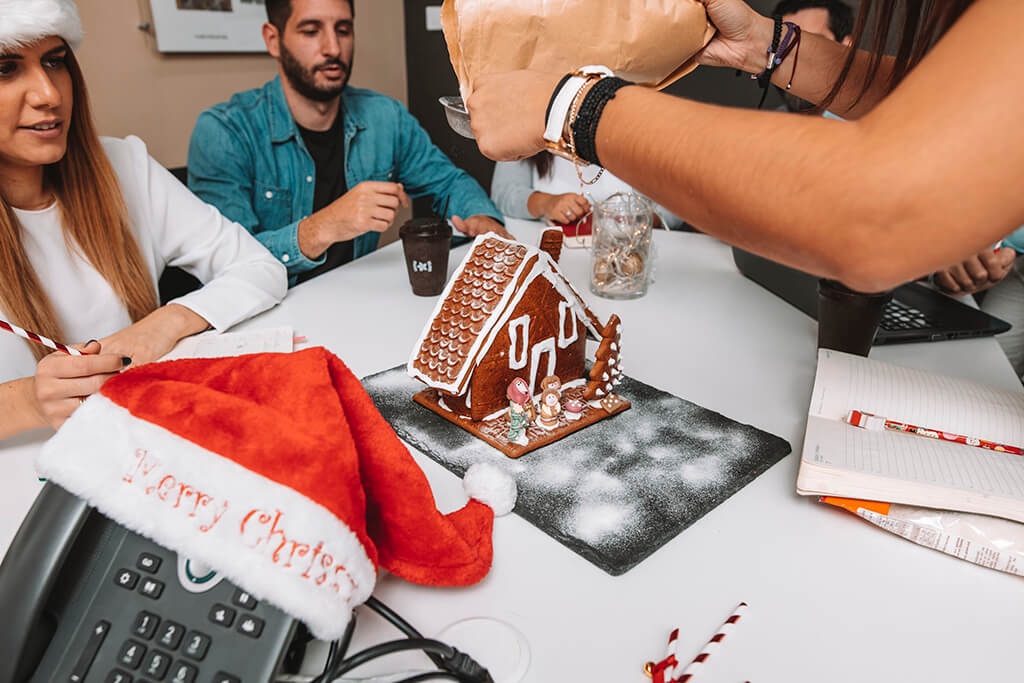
column 520, row 411
column 553, row 383
column 550, row 408
column 573, row 409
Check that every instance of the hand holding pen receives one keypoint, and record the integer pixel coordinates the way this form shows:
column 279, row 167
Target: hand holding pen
column 63, row 381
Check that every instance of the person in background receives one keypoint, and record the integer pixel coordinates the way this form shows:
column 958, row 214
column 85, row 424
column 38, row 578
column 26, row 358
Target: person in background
column 315, row 168
column 1006, row 300
column 86, row 227
column 834, row 19
column 547, row 187
column 924, row 174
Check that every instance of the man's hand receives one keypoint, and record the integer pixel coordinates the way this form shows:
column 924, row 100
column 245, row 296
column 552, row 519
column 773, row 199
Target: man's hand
column 61, row 380
column 370, row 206
column 506, row 112
column 977, row 273
column 480, row 224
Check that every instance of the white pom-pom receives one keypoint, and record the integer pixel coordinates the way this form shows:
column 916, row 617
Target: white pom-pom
column 492, row 486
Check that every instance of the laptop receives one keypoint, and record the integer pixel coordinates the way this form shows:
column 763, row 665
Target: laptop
column 916, row 313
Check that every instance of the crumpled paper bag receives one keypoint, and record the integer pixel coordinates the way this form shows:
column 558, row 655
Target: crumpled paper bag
column 650, row 42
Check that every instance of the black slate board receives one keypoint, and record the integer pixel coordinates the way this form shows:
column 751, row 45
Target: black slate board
column 616, row 491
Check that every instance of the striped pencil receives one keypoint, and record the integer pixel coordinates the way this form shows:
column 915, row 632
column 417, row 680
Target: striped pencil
column 713, row 644
column 32, row 336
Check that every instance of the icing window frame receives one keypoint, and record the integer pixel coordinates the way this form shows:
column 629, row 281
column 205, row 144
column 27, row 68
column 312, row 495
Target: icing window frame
column 518, row 342
column 564, row 340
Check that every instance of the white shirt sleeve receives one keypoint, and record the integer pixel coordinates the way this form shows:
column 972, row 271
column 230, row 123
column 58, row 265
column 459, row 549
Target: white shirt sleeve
column 240, row 277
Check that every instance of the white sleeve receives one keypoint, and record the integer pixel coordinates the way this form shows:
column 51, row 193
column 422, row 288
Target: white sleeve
column 240, row 277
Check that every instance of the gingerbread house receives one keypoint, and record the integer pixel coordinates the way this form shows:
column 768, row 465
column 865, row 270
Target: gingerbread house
column 507, row 312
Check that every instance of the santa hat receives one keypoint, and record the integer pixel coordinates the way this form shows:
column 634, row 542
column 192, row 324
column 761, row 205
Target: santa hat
column 23, row 22
column 278, row 471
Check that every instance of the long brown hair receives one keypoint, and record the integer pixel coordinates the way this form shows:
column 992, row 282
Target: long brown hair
column 922, row 23
column 95, row 222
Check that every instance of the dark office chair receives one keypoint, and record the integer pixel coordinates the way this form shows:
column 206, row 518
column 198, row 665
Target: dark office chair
column 175, row 282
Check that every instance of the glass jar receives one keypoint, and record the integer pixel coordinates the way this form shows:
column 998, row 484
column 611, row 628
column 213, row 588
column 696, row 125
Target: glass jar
column 621, row 254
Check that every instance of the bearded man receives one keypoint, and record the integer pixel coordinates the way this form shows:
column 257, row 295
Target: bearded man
column 314, row 168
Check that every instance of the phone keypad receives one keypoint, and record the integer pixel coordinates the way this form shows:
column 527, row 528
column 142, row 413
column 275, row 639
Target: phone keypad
column 154, row 648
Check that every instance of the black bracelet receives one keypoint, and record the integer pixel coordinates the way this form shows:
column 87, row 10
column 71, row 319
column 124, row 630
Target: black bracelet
column 765, row 77
column 584, row 127
column 554, row 94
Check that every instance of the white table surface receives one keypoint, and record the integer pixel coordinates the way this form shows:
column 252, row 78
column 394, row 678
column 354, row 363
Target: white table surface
column 831, row 597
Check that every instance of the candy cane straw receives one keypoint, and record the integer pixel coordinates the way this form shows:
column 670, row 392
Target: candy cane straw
column 32, row 336
column 713, row 644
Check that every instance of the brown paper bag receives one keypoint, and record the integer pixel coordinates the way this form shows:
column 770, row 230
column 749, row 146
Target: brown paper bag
column 651, row 42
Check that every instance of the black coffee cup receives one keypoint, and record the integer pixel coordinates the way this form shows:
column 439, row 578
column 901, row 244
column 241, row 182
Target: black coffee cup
column 848, row 320
column 426, row 242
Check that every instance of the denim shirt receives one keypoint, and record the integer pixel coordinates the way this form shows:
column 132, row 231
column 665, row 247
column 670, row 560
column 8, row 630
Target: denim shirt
column 248, row 159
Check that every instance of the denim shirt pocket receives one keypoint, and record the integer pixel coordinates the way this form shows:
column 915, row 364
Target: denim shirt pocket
column 272, row 205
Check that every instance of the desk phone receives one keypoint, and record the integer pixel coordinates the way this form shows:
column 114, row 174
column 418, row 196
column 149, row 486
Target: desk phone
column 85, row 600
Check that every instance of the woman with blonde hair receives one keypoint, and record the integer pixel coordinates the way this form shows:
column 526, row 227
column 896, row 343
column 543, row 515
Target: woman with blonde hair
column 86, row 227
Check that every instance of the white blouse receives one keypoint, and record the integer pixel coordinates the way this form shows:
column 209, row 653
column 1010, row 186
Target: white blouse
column 173, row 228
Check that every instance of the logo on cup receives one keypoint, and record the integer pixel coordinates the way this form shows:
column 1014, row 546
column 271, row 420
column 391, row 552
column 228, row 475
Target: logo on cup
column 423, row 266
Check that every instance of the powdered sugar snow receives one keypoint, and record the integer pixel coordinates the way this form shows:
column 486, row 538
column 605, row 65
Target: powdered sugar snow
column 615, row 491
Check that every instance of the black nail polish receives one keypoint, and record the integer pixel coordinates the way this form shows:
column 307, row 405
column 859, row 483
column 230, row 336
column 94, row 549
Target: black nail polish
column 125, row 360
column 92, row 341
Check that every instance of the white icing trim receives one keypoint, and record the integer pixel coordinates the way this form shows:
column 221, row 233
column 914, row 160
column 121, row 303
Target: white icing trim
column 563, row 339
column 495, row 415
column 102, row 454
column 469, row 396
column 542, row 265
column 518, row 342
column 440, row 402
column 574, row 383
column 544, row 345
column 485, row 338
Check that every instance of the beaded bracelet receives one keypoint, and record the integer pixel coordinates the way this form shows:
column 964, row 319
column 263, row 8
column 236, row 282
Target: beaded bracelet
column 584, row 126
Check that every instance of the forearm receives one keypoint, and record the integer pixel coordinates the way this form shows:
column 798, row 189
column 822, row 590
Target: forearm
column 18, row 408
column 313, row 236
column 840, row 200
column 539, row 204
column 816, row 70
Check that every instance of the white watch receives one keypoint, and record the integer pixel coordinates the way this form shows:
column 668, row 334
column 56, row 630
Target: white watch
column 566, row 94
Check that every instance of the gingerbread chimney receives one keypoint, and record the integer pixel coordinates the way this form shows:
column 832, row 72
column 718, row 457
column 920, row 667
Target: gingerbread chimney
column 551, row 243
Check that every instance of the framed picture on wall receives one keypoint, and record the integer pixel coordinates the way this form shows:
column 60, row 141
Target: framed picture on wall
column 209, row 25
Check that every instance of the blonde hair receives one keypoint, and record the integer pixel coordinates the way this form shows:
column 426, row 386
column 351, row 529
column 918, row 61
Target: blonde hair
column 95, row 223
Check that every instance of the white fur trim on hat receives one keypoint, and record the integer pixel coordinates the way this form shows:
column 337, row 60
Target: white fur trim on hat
column 267, row 538
column 492, row 486
column 23, row 22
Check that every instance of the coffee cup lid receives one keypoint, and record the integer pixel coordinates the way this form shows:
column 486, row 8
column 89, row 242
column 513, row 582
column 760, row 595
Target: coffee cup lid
column 429, row 226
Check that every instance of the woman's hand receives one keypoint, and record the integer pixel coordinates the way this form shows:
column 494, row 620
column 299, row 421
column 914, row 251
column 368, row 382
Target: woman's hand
column 62, row 381
column 155, row 335
column 742, row 39
column 507, row 113
column 558, row 208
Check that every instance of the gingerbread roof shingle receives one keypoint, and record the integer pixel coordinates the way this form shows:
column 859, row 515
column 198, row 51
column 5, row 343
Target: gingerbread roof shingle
column 479, row 292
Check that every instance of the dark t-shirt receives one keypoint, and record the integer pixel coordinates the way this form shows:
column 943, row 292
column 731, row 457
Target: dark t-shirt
column 328, row 151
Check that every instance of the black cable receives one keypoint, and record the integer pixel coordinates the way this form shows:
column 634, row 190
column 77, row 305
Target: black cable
column 337, row 651
column 430, row 676
column 402, row 625
column 384, row 649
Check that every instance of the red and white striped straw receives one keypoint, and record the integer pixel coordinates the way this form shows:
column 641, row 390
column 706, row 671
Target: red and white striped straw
column 32, row 336
column 713, row 644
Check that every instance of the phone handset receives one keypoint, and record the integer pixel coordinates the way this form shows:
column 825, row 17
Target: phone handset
column 28, row 574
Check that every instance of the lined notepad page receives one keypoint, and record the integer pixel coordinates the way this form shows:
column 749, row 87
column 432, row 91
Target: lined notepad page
column 845, row 382
column 225, row 344
column 840, row 459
